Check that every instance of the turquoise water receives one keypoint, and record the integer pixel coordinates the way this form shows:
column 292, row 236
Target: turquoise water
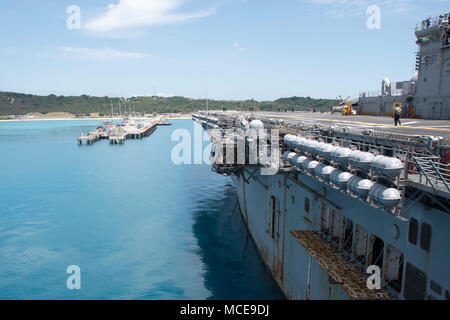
column 138, row 226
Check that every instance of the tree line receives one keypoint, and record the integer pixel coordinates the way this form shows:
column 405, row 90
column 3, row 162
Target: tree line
column 12, row 103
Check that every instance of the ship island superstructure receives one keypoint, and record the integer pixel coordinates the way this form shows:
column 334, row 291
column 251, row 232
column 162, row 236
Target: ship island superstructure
column 349, row 195
column 427, row 94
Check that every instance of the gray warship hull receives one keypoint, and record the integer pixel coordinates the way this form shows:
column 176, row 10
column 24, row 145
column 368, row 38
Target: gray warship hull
column 357, row 208
column 300, row 205
column 319, row 238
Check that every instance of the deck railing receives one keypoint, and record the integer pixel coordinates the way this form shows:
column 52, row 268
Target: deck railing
column 433, row 173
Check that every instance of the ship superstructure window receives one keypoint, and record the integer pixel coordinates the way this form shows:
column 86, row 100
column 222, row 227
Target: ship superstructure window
column 336, row 226
column 347, row 239
column 436, row 287
column 325, row 220
column 273, row 209
column 425, row 237
column 413, row 231
column 393, row 274
column 307, row 205
column 360, row 245
column 415, row 283
column 377, row 252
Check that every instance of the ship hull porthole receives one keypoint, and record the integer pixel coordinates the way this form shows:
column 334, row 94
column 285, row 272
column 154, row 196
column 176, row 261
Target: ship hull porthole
column 395, row 231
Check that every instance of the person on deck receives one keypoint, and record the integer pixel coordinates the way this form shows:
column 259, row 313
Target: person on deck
column 397, row 114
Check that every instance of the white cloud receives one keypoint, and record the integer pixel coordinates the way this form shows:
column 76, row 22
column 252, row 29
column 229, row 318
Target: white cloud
column 162, row 95
column 359, row 7
column 102, row 54
column 141, row 13
column 238, row 47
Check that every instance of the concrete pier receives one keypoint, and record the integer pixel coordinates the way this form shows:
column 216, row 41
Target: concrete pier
column 90, row 138
column 117, row 139
column 128, row 129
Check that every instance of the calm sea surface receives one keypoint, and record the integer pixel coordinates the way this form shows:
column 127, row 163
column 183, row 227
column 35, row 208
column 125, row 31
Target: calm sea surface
column 138, row 226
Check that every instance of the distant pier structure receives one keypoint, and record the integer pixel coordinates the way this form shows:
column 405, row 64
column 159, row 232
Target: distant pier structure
column 89, row 139
column 117, row 134
column 164, row 122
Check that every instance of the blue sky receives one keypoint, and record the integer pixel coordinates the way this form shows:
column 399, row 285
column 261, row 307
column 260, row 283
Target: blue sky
column 260, row 49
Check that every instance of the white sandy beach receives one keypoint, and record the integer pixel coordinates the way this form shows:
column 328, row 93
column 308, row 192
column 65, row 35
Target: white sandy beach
column 87, row 118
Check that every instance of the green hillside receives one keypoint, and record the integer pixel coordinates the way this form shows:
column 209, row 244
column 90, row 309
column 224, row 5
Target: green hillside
column 19, row 104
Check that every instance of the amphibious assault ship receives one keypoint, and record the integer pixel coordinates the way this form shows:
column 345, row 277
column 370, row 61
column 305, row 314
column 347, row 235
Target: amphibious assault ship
column 336, row 203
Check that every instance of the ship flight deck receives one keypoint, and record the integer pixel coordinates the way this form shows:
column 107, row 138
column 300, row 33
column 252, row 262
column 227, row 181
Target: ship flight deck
column 421, row 127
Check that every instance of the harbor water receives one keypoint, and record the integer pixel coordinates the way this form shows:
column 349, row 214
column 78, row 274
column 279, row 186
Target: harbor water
column 137, row 225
